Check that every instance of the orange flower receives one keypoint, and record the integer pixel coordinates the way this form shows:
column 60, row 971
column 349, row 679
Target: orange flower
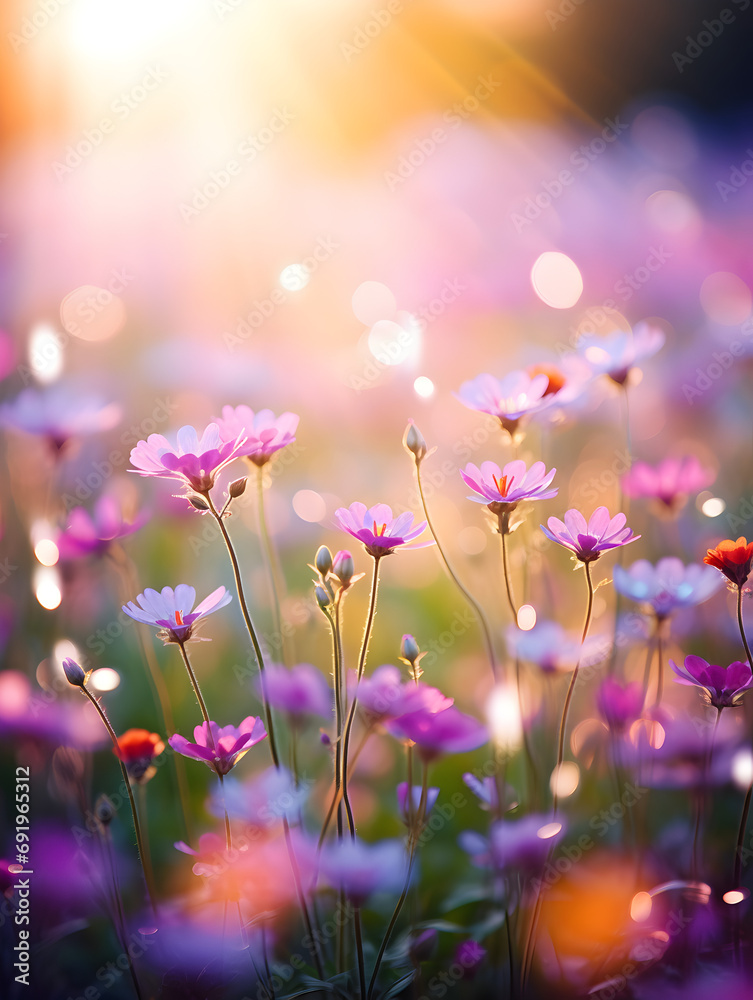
column 137, row 748
column 732, row 558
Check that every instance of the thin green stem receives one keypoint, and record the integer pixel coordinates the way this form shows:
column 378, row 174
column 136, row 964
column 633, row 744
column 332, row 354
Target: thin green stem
column 136, row 825
column 741, row 837
column 702, row 793
column 466, row 594
column 659, row 669
column 228, row 838
column 508, row 583
column 195, row 686
column 122, row 930
column 275, row 580
column 357, row 930
column 313, row 938
column 740, row 623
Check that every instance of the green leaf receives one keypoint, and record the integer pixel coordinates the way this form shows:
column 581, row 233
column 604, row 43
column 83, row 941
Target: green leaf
column 466, row 894
column 492, row 922
column 397, row 988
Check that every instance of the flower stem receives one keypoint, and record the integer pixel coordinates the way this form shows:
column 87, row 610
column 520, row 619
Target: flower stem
column 359, row 676
column 136, row 825
column 508, row 584
column 195, row 686
column 740, row 623
column 659, row 670
column 275, row 577
column 466, row 594
column 250, row 628
column 702, row 793
column 228, row 838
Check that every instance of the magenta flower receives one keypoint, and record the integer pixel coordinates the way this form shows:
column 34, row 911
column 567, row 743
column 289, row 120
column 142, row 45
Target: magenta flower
column 724, row 686
column 671, row 481
column 302, row 690
column 59, row 413
column 91, row 534
column 380, row 533
column 264, row 433
column 668, row 585
column 171, row 610
column 588, row 541
column 469, row 955
column 509, row 399
column 617, row 352
column 385, row 696
column 437, row 733
column 220, row 749
column 518, row 845
column 503, row 489
column 620, row 705
column 195, row 462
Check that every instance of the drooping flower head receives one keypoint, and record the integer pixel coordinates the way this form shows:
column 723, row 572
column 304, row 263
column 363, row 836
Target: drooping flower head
column 724, row 686
column 589, row 540
column 732, row 558
column 59, row 413
column 668, row 585
column 137, row 748
column 264, row 433
column 620, row 705
column 194, row 461
column 220, row 748
column 300, row 691
column 509, row 399
column 618, row 351
column 91, row 534
column 503, row 489
column 670, row 482
column 380, row 532
column 171, row 610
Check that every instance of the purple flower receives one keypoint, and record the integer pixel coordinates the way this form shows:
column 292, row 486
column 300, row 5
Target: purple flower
column 436, row 733
column 547, row 645
column 195, row 462
column 486, row 791
column 588, row 541
column 59, row 413
column 377, row 529
column 300, row 691
column 668, row 585
column 171, row 610
column 88, row 534
column 670, row 481
column 724, row 686
column 263, row 801
column 469, row 955
column 402, row 800
column 509, row 399
column 619, row 705
column 616, row 353
column 503, row 489
column 360, row 869
column 264, row 433
column 220, row 749
column 521, row 844
column 385, row 696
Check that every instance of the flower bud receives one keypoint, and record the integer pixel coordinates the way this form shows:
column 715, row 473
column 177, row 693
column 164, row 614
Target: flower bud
column 422, row 945
column 323, row 560
column 469, row 955
column 409, row 650
column 343, row 567
column 197, row 502
column 414, row 441
column 237, row 487
column 104, row 810
column 322, row 597
column 74, row 673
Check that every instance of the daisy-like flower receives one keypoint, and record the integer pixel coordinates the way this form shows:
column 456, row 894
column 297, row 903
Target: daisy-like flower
column 137, row 748
column 300, row 691
column 380, row 532
column 220, row 748
column 508, row 399
column 437, row 733
column 194, row 461
column 91, row 534
column 668, row 585
column 263, row 432
column 503, row 489
column 59, row 413
column 670, row 482
column 617, row 352
column 732, row 558
column 171, row 610
column 724, row 686
column 589, row 540
column 619, row 705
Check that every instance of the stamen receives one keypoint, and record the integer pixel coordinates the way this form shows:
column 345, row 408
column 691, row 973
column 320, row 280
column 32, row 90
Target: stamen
column 380, row 529
column 178, row 617
column 501, row 484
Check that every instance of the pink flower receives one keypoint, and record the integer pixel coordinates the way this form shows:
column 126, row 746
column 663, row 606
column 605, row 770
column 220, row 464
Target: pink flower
column 59, row 413
column 436, row 733
column 302, row 690
column 503, row 489
column 670, row 481
column 263, row 432
column 588, row 541
column 220, row 749
column 384, row 695
column 616, row 353
column 509, row 399
column 88, row 534
column 171, row 610
column 377, row 529
column 724, row 686
column 196, row 462
column 619, row 705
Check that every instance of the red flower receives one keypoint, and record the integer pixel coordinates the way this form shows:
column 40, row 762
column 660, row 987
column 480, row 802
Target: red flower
column 137, row 748
column 732, row 558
